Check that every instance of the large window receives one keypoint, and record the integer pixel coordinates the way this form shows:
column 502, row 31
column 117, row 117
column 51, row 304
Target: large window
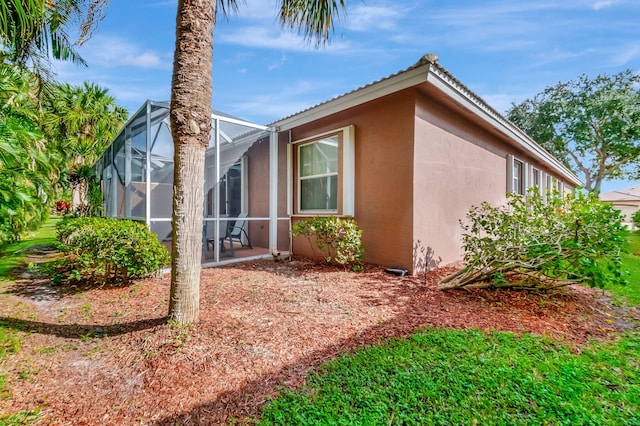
column 324, row 173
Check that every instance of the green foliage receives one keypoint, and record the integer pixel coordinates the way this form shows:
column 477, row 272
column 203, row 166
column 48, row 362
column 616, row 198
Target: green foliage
column 453, row 377
column 593, row 125
column 28, row 170
column 636, row 219
column 45, row 136
column 13, row 255
column 631, row 263
column 542, row 242
column 338, row 238
column 109, row 250
column 22, row 418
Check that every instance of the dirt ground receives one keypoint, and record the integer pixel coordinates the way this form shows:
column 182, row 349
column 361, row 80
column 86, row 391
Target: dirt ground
column 107, row 355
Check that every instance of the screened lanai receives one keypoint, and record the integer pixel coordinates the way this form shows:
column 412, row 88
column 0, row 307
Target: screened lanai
column 245, row 206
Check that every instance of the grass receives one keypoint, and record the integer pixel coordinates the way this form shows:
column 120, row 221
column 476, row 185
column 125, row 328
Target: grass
column 13, row 255
column 442, row 377
column 631, row 262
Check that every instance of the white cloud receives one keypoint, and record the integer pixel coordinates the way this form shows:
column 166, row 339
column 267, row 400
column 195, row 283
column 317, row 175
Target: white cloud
column 278, row 64
column 626, row 55
column 112, row 51
column 370, row 17
column 270, row 38
column 283, row 100
column 602, row 4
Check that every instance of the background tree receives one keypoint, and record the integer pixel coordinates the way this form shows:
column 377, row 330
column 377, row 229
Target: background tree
column 28, row 170
column 190, row 112
column 592, row 125
column 34, row 31
column 81, row 121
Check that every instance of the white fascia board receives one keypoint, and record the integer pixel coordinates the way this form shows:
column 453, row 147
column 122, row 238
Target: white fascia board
column 238, row 121
column 470, row 102
column 357, row 97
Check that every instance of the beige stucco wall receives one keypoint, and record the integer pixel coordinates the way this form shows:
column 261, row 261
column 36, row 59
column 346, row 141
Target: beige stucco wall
column 627, row 208
column 383, row 175
column 457, row 164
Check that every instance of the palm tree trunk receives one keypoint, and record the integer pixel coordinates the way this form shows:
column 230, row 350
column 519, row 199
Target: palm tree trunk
column 191, row 90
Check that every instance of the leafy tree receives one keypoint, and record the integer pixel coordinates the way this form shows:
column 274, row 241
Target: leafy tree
column 83, row 120
column 28, row 170
column 592, row 125
column 190, row 113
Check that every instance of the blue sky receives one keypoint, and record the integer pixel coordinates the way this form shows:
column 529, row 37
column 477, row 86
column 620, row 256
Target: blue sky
column 503, row 50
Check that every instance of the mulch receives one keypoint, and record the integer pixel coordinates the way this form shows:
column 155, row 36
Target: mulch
column 107, row 355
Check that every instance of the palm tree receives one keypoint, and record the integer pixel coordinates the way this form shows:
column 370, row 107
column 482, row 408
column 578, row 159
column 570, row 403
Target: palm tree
column 81, row 121
column 33, row 31
column 190, row 112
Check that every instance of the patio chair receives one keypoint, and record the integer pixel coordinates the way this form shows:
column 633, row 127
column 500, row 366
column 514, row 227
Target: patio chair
column 234, row 233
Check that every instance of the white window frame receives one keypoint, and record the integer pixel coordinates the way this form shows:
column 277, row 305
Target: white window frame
column 346, row 171
column 521, row 182
column 536, row 172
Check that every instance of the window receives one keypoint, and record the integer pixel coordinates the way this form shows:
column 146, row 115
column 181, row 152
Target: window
column 324, row 173
column 518, row 177
column 318, row 175
column 536, row 178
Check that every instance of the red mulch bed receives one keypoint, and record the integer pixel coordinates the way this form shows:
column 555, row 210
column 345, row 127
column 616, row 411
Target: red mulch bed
column 106, row 356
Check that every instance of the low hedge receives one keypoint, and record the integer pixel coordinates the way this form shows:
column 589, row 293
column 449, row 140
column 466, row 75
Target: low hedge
column 108, row 250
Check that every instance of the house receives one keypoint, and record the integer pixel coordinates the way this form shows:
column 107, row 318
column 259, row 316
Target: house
column 625, row 200
column 405, row 156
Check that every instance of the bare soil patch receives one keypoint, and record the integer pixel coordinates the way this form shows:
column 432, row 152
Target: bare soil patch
column 107, row 356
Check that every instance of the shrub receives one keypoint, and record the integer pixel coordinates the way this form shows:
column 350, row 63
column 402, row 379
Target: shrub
column 108, row 250
column 636, row 219
column 338, row 238
column 539, row 243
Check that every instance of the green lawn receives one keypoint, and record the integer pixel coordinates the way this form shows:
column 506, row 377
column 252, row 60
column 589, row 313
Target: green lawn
column 13, row 255
column 631, row 262
column 447, row 377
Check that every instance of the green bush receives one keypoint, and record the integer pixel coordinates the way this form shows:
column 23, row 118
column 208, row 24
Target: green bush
column 636, row 219
column 109, row 250
column 540, row 242
column 338, row 238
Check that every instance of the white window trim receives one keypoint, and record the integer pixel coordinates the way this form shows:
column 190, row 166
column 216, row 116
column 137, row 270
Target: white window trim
column 534, row 171
column 347, row 177
column 511, row 160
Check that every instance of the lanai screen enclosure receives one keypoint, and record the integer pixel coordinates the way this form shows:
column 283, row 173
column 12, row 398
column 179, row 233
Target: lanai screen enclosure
column 244, row 213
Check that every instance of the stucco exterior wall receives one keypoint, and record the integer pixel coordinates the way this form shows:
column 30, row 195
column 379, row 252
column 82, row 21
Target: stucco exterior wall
column 457, row 164
column 383, row 175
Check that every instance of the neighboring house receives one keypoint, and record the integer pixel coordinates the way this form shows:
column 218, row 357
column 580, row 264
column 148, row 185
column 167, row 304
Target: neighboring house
column 625, row 200
column 406, row 156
